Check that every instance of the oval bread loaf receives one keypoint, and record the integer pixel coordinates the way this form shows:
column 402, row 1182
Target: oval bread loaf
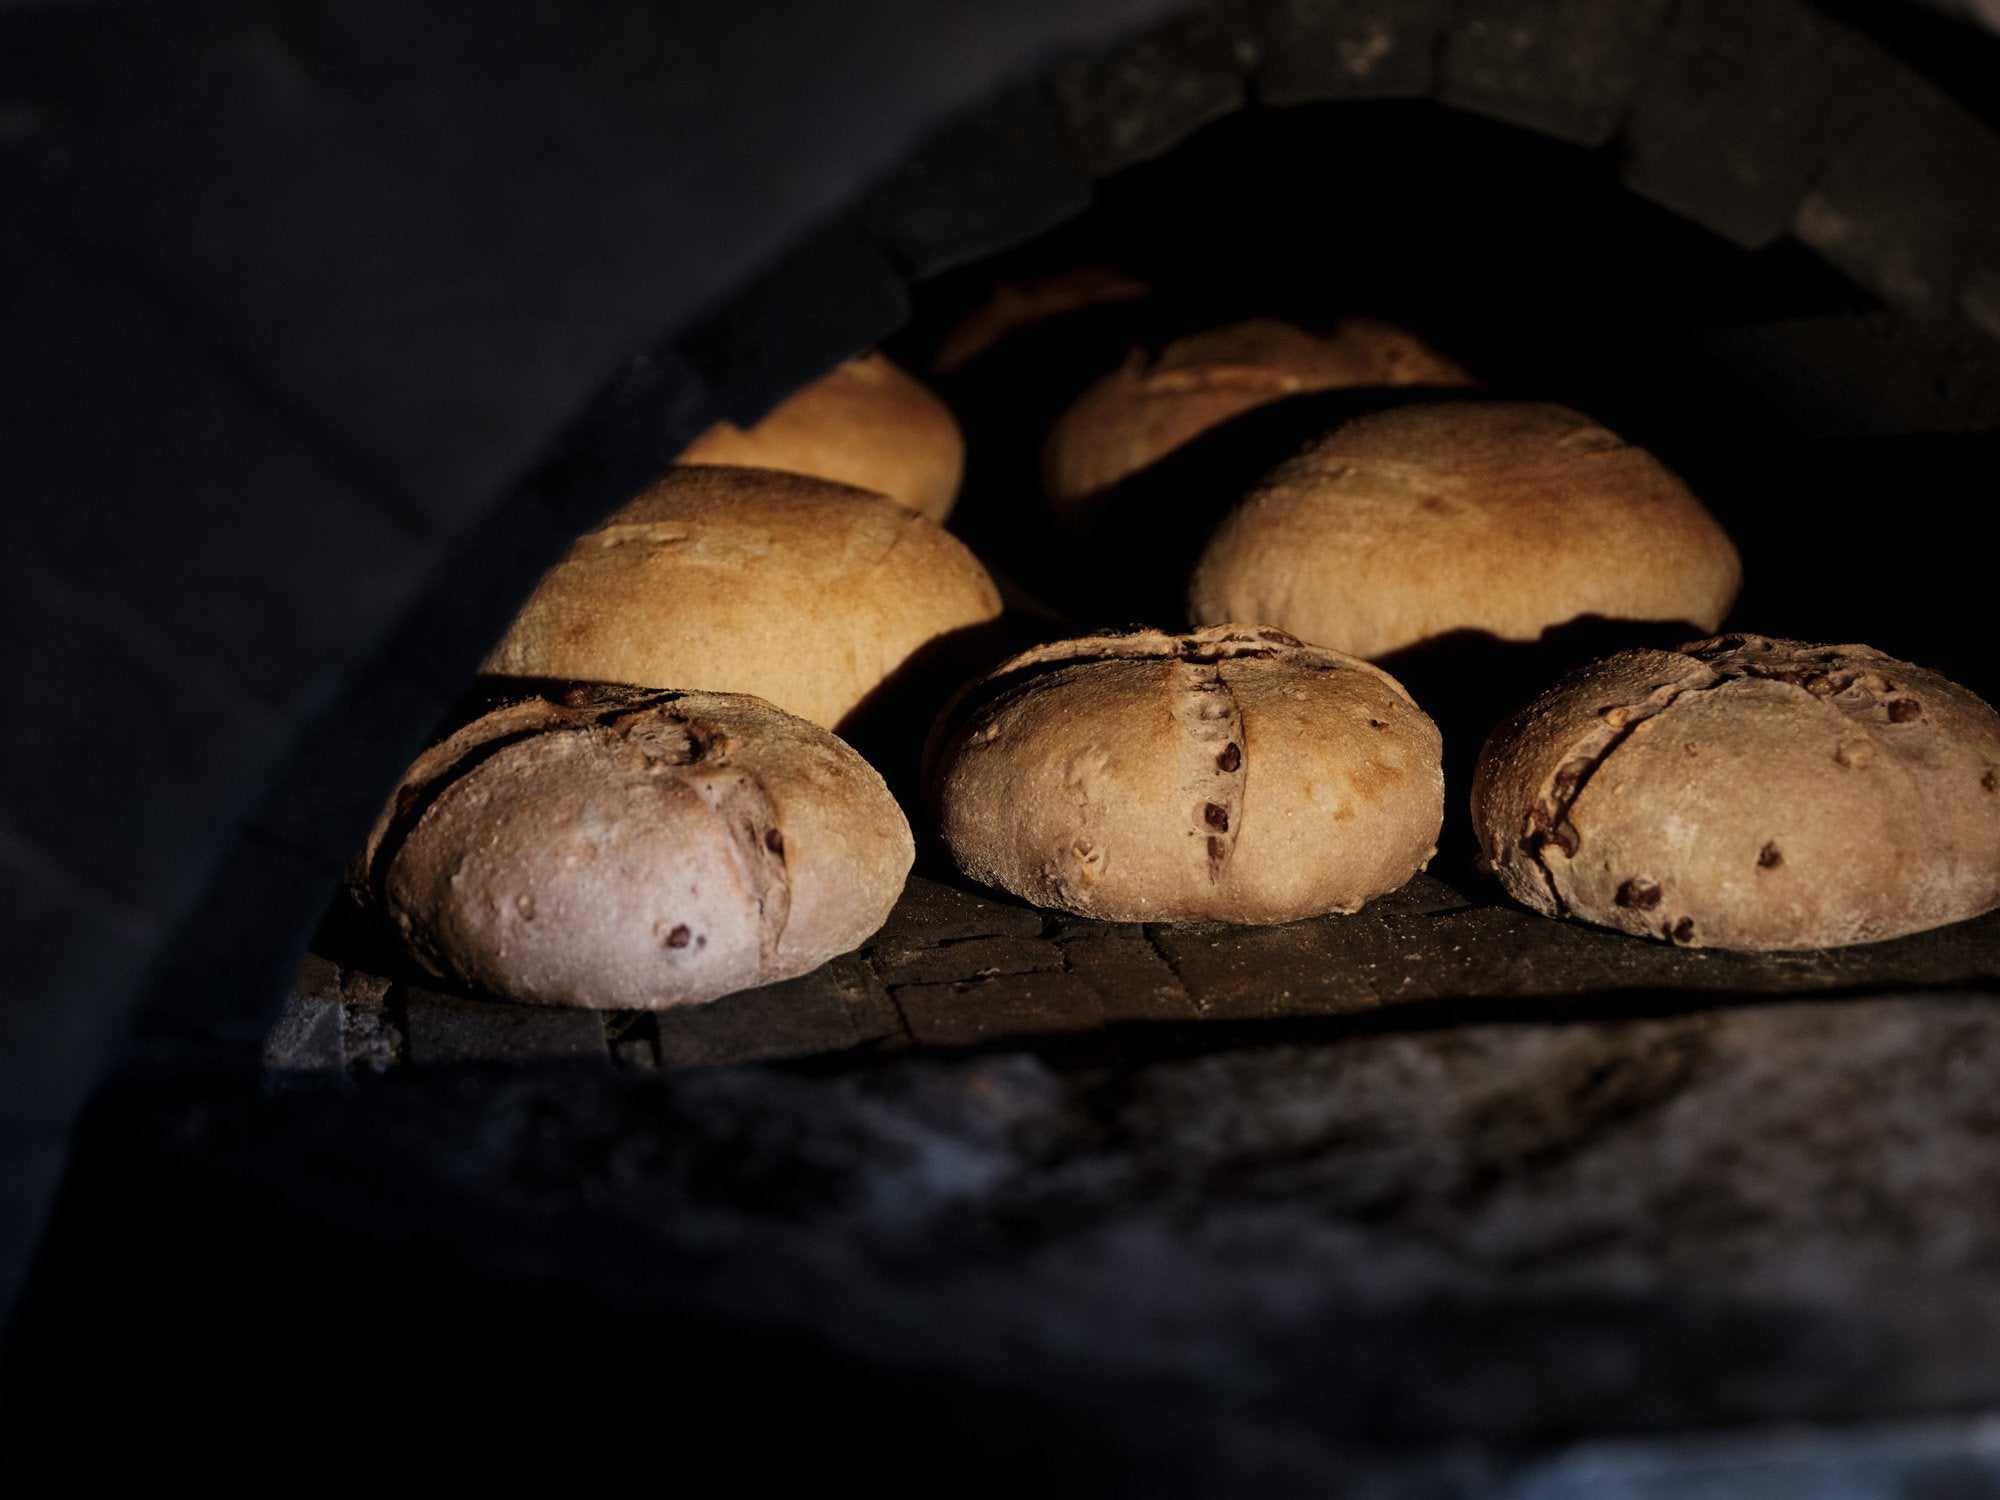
column 1507, row 517
column 1232, row 774
column 808, row 593
column 1748, row 793
column 636, row 850
column 868, row 423
column 1154, row 403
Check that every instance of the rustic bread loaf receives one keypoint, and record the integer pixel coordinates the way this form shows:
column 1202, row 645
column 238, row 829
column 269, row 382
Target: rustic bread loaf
column 1232, row 774
column 868, row 423
column 808, row 593
column 1153, row 403
column 1507, row 517
column 1748, row 793
column 636, row 850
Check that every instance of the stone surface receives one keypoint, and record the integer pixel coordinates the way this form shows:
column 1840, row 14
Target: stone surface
column 1552, row 1223
column 309, row 1036
column 1135, row 100
column 840, row 1004
column 953, row 967
column 1564, row 67
column 1740, row 112
column 440, row 1028
column 1378, row 49
column 989, row 181
column 830, row 299
column 1907, row 193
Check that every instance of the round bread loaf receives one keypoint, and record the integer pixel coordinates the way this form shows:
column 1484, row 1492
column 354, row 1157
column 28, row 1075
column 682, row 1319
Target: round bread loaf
column 1748, row 793
column 1231, row 775
column 808, row 593
column 869, row 424
column 636, row 850
column 1507, row 517
column 1153, row 403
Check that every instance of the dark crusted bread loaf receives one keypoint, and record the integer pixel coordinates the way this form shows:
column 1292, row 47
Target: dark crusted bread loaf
column 618, row 848
column 1748, row 793
column 1232, row 774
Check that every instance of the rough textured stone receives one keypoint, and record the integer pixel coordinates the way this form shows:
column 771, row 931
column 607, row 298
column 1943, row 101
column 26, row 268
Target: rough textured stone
column 1521, row 1230
column 1906, row 194
column 310, row 1035
column 1564, row 67
column 1377, row 49
column 1740, row 111
column 1139, row 98
column 987, row 182
column 832, row 298
column 839, row 1005
column 1867, row 374
column 441, row 1028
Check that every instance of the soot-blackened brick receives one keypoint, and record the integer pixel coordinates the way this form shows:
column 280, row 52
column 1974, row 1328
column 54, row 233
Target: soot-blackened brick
column 830, row 299
column 1308, row 51
column 1001, row 175
column 1136, row 100
column 443, row 1028
column 1910, row 189
column 839, row 1005
column 1741, row 110
column 1566, row 68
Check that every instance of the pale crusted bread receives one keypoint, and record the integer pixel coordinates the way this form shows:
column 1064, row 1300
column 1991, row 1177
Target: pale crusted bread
column 1748, row 793
column 1152, row 404
column 805, row 592
column 868, row 423
column 1507, row 517
column 634, row 850
column 1230, row 775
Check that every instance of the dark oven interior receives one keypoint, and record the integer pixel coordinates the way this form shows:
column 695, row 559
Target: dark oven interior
column 1406, row 1199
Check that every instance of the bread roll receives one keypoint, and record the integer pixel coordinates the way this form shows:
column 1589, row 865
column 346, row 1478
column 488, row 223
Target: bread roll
column 1231, row 775
column 633, row 850
column 1152, row 404
column 1507, row 517
column 1748, row 793
column 868, row 424
column 801, row 591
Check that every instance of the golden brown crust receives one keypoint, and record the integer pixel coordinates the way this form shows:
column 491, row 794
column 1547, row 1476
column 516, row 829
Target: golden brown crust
column 1748, row 793
column 868, row 423
column 804, row 592
column 1152, row 404
column 1232, row 774
column 1508, row 517
column 631, row 850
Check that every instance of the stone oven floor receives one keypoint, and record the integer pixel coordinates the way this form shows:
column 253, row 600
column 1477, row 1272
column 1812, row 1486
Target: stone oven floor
column 1404, row 1203
column 956, row 968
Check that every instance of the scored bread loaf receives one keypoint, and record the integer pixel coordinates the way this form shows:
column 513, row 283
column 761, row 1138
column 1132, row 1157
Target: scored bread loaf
column 1232, row 774
column 868, row 423
column 1506, row 517
column 1153, row 403
column 811, row 594
column 619, row 848
column 1748, row 793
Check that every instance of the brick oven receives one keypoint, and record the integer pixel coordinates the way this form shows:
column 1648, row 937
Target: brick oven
column 329, row 325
